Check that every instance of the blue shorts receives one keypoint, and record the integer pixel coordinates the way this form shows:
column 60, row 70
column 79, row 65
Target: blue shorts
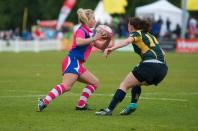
column 71, row 64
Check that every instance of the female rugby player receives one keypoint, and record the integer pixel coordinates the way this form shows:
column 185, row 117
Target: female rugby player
column 73, row 64
column 151, row 70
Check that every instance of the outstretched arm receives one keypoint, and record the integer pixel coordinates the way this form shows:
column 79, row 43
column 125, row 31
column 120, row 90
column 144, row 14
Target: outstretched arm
column 123, row 43
column 119, row 45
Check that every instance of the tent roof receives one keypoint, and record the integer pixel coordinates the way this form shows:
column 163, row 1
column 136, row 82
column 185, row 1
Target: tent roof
column 160, row 5
column 102, row 16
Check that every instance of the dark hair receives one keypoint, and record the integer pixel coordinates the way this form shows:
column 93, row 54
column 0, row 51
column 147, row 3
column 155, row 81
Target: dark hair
column 139, row 24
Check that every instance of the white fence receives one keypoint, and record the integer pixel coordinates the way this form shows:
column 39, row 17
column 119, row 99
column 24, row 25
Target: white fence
column 35, row 46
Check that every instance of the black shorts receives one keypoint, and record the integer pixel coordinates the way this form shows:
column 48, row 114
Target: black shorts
column 151, row 73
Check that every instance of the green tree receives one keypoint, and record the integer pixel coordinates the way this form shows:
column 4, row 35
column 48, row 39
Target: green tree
column 11, row 11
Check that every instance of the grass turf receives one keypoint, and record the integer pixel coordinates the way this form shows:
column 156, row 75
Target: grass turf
column 24, row 76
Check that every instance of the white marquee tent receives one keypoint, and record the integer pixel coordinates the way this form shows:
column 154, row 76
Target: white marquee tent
column 100, row 14
column 163, row 9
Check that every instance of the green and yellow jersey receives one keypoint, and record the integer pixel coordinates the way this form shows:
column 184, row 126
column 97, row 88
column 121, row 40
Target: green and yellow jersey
column 147, row 46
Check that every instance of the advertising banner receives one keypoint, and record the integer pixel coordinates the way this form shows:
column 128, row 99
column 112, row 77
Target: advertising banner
column 187, row 46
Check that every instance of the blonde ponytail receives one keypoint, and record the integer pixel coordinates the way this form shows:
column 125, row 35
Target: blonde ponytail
column 84, row 15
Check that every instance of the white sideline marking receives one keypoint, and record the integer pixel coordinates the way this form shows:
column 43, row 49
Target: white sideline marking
column 149, row 98
column 99, row 94
column 145, row 93
column 164, row 99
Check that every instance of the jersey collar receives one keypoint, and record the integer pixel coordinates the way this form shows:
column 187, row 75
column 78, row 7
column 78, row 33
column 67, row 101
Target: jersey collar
column 86, row 28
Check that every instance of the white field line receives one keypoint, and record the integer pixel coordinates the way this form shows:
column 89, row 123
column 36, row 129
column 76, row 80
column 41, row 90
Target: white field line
column 144, row 93
column 97, row 94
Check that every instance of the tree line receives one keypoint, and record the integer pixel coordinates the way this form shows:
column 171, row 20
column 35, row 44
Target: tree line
column 12, row 11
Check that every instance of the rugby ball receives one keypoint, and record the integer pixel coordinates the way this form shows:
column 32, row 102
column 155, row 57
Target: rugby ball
column 106, row 29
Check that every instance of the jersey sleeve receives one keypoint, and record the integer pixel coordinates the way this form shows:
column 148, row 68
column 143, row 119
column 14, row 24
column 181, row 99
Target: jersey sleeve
column 136, row 36
column 80, row 34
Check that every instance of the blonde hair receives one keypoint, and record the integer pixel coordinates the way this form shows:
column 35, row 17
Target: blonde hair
column 84, row 15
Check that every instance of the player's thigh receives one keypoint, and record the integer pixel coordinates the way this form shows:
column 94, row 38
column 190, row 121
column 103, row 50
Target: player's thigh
column 129, row 82
column 88, row 78
column 69, row 79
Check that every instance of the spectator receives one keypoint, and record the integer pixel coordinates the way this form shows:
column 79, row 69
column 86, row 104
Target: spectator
column 156, row 28
column 16, row 34
column 38, row 34
column 26, row 35
column 122, row 28
column 177, row 31
column 168, row 23
column 192, row 30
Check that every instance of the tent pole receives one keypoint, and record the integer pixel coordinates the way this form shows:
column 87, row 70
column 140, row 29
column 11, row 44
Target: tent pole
column 25, row 15
column 184, row 18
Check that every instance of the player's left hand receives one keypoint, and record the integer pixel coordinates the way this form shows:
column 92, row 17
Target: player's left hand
column 107, row 52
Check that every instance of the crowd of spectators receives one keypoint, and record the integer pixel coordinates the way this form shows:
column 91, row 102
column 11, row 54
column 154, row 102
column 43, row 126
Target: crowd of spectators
column 119, row 26
column 37, row 33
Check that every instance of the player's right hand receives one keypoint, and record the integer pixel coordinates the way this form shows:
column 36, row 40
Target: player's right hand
column 99, row 35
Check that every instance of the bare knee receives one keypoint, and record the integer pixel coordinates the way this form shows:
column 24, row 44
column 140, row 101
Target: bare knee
column 124, row 86
column 67, row 87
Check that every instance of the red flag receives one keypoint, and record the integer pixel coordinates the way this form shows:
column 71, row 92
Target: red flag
column 65, row 10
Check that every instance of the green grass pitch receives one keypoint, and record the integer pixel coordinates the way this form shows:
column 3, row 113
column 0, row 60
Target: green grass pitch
column 171, row 106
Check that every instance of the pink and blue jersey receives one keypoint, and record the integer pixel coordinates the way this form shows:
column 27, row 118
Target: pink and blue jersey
column 81, row 52
column 73, row 63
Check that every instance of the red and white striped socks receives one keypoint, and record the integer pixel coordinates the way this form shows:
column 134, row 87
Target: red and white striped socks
column 56, row 91
column 87, row 91
column 60, row 89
